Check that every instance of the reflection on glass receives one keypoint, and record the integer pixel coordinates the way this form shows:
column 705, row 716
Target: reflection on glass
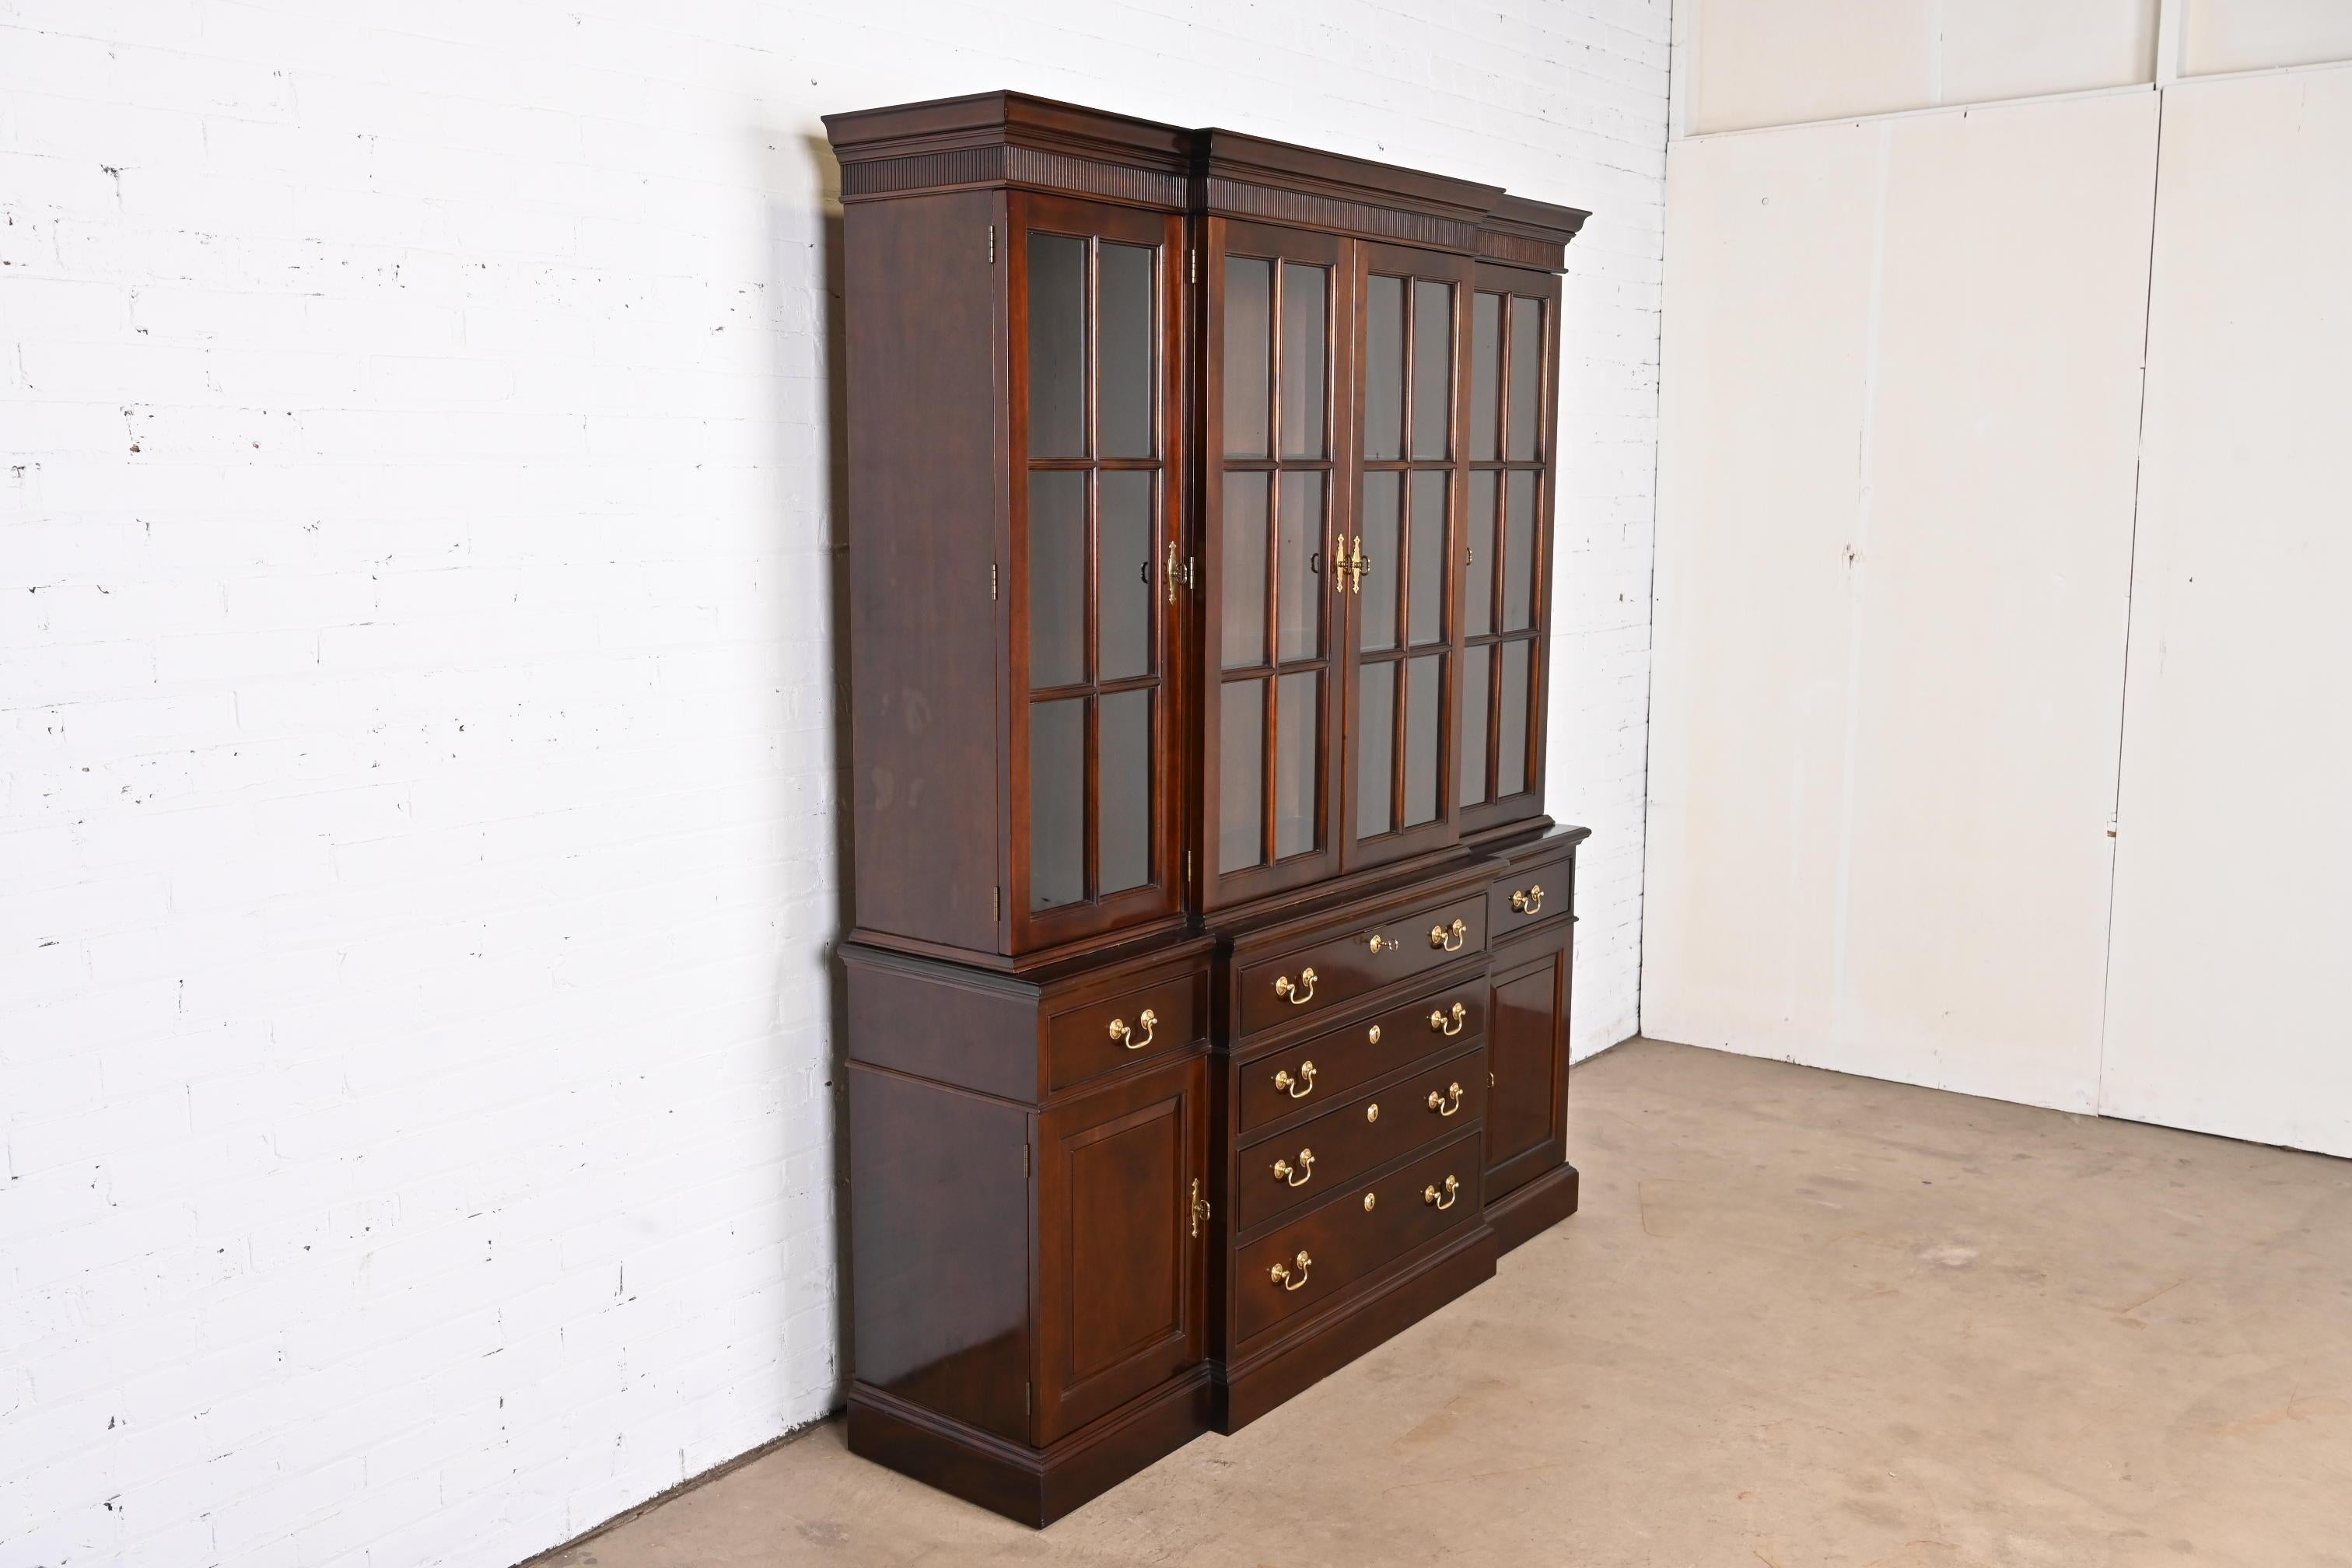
column 1376, row 597
column 1249, row 346
column 1425, row 597
column 1518, row 550
column 1478, row 577
column 1485, row 371
column 1432, row 368
column 1424, row 758
column 1511, row 757
column 1123, row 845
column 1057, row 802
column 1527, row 371
column 1127, row 590
column 1305, row 298
column 1244, row 549
column 1057, row 346
column 1375, row 756
column 1124, row 319
column 1298, row 585
column 1478, row 670
column 1385, row 369
column 1057, row 579
column 1241, row 768
column 1297, row 706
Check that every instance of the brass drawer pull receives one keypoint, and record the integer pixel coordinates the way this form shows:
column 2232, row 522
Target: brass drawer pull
column 1460, row 1014
column 1282, row 1277
column 1529, row 902
column 1442, row 1104
column 1377, row 945
column 1298, row 997
column 1449, row 938
column 1299, row 1177
column 1453, row 1195
column 1120, row 1032
column 1297, row 1088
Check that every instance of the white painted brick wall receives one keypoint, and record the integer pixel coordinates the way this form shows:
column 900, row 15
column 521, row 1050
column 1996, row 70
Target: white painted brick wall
column 418, row 822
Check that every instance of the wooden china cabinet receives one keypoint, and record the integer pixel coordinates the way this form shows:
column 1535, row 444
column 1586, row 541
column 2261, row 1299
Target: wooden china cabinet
column 1209, row 988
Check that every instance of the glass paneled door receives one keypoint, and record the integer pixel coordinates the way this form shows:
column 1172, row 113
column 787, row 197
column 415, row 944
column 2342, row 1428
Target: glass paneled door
column 1095, row 307
column 1279, row 327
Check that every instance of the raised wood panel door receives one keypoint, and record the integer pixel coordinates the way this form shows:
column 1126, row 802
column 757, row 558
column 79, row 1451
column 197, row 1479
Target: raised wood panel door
column 1095, row 310
column 1526, row 1051
column 1120, row 1177
column 1279, row 308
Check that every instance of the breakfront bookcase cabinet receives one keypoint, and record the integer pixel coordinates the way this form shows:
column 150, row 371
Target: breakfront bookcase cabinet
column 1209, row 984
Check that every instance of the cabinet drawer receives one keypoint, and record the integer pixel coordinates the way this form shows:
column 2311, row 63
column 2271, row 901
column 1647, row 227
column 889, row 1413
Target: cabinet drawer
column 1151, row 1014
column 1320, row 1156
column 1324, row 975
column 1534, row 893
column 1326, row 1067
column 1352, row 1234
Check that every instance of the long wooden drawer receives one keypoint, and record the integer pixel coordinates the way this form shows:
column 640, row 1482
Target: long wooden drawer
column 1328, row 974
column 1162, row 1009
column 1326, row 1067
column 1354, row 1234
column 1320, row 1156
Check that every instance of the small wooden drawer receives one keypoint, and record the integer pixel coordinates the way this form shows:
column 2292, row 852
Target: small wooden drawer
column 1153, row 1012
column 1319, row 1157
column 1327, row 974
column 1330, row 1066
column 1534, row 893
column 1353, row 1234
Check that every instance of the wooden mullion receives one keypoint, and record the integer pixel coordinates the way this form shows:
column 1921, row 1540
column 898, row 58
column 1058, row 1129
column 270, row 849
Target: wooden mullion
column 1131, row 683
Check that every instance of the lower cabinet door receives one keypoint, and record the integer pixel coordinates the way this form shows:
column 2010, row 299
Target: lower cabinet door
column 1122, row 1243
column 1527, row 1044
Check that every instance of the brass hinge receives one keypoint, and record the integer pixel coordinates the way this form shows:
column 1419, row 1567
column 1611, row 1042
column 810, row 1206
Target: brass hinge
column 1026, row 1390
column 1188, row 867
column 1195, row 275
column 1024, row 1159
column 991, row 581
column 992, row 244
column 1000, row 901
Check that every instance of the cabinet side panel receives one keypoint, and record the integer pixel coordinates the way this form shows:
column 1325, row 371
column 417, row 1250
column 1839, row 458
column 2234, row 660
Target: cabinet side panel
column 970, row 1030
column 939, row 1194
column 919, row 298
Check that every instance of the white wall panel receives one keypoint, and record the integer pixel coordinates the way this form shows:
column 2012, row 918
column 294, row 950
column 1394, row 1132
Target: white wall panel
column 2249, row 35
column 2233, row 881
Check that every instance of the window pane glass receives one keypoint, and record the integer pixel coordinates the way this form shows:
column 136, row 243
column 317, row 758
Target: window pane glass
column 1306, row 297
column 1298, row 583
column 1432, row 368
column 1485, row 371
column 1057, row 802
column 1376, row 597
column 1511, row 759
column 1478, row 575
column 1518, row 550
column 1375, row 741
column 1057, row 579
column 1424, row 757
column 1123, row 850
column 1249, row 343
column 1297, row 757
column 1425, row 597
column 1241, row 768
column 1244, row 549
column 1057, row 346
column 1385, row 369
column 1125, row 321
column 1478, row 670
column 1527, row 376
column 1127, row 592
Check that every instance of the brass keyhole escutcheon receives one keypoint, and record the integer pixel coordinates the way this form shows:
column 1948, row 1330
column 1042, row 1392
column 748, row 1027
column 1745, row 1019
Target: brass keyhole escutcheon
column 1377, row 945
column 1372, row 1035
column 1370, row 1199
column 1372, row 1111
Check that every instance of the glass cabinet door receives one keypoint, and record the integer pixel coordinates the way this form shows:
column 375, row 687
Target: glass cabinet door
column 1094, row 305
column 1506, row 598
column 1275, row 340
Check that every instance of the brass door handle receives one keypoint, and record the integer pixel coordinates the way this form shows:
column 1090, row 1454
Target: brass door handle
column 1299, row 1177
column 1281, row 1275
column 1358, row 565
column 1172, row 571
column 1529, row 902
column 1121, row 1032
column 1297, row 1088
column 1443, row 1106
column 1461, row 1017
column 1449, row 938
column 1453, row 1195
column 1377, row 945
column 1199, row 1206
column 1298, row 998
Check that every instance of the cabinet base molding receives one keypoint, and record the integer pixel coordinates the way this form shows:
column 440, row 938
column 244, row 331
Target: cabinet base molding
column 1034, row 1486
column 1524, row 1213
column 1249, row 1388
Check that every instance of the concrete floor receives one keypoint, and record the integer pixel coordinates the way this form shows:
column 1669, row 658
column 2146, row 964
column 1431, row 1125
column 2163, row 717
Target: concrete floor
column 1803, row 1319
